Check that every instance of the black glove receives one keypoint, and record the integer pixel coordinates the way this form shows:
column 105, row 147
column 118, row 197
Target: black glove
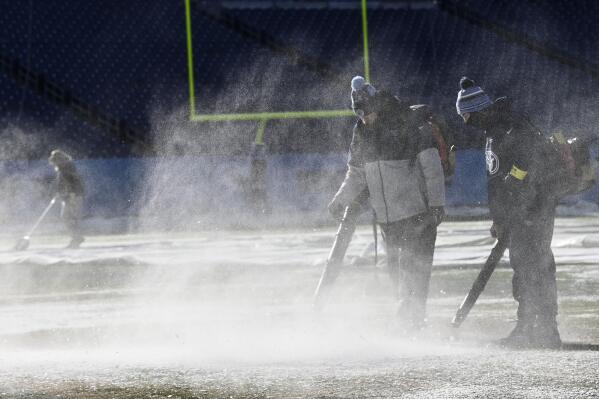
column 498, row 231
column 336, row 209
column 438, row 213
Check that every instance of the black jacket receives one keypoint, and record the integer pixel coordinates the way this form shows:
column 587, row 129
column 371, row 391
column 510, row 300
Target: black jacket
column 517, row 169
column 68, row 181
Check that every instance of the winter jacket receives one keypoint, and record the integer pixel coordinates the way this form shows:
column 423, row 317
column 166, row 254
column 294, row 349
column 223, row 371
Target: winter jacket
column 68, row 181
column 518, row 174
column 396, row 160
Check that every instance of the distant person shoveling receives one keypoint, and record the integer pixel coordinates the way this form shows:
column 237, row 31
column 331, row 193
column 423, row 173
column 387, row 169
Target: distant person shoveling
column 69, row 190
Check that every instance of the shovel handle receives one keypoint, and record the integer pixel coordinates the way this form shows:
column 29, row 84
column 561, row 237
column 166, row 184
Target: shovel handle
column 481, row 281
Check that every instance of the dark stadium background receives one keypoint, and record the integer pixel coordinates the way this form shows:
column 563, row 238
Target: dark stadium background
column 107, row 81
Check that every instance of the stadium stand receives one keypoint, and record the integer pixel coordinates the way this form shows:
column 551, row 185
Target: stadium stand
column 127, row 62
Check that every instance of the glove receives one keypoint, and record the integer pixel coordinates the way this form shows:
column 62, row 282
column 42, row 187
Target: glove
column 336, row 209
column 438, row 213
column 497, row 231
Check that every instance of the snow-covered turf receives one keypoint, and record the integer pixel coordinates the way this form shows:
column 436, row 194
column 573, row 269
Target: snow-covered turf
column 228, row 314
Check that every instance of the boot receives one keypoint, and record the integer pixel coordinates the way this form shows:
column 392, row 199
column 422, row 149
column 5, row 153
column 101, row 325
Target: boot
column 544, row 334
column 520, row 337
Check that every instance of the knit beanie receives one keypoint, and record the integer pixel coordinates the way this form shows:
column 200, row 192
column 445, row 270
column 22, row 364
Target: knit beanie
column 59, row 158
column 471, row 98
column 361, row 94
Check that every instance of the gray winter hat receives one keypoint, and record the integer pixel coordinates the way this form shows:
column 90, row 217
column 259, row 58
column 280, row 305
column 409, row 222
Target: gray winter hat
column 471, row 98
column 59, row 157
column 361, row 93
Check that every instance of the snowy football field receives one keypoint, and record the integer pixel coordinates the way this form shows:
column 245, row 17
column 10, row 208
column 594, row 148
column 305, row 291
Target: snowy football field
column 221, row 314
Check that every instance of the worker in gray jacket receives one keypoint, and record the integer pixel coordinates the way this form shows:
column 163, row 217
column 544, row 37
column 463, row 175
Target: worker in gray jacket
column 392, row 153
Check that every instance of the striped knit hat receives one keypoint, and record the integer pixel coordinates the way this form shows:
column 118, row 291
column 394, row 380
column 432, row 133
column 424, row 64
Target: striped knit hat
column 471, row 98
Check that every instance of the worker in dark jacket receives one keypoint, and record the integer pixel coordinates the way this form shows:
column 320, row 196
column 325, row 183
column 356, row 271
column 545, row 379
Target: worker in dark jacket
column 522, row 207
column 70, row 191
column 393, row 155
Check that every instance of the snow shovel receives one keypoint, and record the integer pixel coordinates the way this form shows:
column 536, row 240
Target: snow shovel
column 23, row 243
column 481, row 281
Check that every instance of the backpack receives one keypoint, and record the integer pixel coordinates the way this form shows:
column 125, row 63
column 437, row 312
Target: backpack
column 442, row 137
column 573, row 169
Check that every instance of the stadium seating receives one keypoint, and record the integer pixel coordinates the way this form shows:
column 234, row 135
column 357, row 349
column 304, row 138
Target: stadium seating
column 128, row 60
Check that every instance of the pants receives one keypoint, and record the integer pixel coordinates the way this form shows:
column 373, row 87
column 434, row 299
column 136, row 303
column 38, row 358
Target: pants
column 534, row 284
column 410, row 269
column 72, row 205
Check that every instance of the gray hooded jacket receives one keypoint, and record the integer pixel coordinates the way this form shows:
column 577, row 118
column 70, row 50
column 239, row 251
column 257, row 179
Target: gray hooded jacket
column 396, row 160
